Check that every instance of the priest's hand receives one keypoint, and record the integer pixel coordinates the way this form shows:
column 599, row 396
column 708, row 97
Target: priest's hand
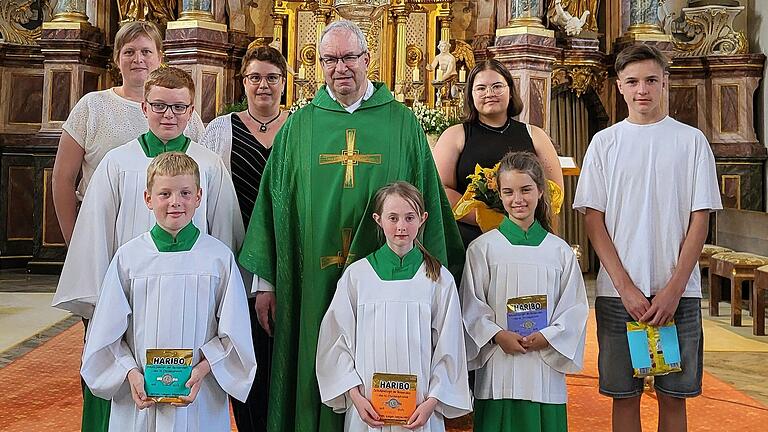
column 535, row 342
column 136, row 381
column 422, row 413
column 365, row 409
column 663, row 305
column 195, row 381
column 265, row 308
column 510, row 342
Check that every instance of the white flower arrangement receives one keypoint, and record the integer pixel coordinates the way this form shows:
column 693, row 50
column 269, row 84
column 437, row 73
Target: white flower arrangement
column 432, row 120
column 297, row 104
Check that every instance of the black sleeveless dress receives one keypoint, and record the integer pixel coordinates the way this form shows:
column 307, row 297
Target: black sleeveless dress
column 487, row 145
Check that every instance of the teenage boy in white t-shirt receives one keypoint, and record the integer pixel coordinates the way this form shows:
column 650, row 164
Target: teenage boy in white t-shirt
column 647, row 187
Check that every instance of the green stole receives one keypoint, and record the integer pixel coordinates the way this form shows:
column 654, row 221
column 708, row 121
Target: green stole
column 165, row 242
column 533, row 237
column 313, row 218
column 153, row 146
column 390, row 267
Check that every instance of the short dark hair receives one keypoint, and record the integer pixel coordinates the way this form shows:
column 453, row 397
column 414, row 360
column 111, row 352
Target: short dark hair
column 515, row 106
column 640, row 52
column 265, row 54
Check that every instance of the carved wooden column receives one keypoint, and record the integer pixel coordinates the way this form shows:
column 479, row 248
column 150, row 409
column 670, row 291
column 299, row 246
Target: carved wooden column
column 74, row 62
column 200, row 46
column 528, row 50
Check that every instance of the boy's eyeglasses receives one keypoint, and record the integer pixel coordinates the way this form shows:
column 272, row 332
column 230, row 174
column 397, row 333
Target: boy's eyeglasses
column 255, row 78
column 497, row 89
column 348, row 60
column 161, row 108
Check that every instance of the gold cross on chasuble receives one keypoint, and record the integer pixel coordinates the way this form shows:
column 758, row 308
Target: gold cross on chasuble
column 349, row 158
column 341, row 258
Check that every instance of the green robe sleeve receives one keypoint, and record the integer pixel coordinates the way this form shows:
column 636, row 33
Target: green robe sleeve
column 441, row 234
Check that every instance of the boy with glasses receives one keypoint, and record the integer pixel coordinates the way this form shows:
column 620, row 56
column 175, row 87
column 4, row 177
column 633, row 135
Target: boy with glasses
column 113, row 210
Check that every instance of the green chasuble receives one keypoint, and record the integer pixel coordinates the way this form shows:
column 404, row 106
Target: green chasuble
column 165, row 242
column 390, row 267
column 313, row 217
column 153, row 146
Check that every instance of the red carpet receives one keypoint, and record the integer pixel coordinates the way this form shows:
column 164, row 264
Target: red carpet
column 43, row 394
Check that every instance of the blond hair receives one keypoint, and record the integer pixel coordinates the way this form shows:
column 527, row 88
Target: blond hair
column 409, row 193
column 132, row 30
column 172, row 164
column 170, row 78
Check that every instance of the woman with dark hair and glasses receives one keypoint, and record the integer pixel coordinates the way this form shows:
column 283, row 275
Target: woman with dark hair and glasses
column 489, row 132
column 244, row 141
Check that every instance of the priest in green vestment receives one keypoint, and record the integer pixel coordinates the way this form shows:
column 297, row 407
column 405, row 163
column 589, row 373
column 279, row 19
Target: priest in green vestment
column 313, row 215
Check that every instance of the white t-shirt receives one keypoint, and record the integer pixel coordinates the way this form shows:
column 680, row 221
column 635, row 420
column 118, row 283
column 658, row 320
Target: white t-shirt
column 647, row 179
column 102, row 120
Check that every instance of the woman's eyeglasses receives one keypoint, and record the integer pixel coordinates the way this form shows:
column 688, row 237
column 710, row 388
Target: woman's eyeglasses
column 255, row 78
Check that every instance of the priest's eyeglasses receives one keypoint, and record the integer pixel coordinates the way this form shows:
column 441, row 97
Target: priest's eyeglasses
column 496, row 89
column 255, row 79
column 161, row 108
column 348, row 60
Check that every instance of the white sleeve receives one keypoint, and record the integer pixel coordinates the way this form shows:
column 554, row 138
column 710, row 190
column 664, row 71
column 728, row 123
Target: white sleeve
column 568, row 325
column 591, row 190
column 76, row 124
column 218, row 139
column 195, row 127
column 107, row 358
column 448, row 381
column 335, row 361
column 230, row 353
column 225, row 222
column 477, row 314
column 93, row 244
column 706, row 193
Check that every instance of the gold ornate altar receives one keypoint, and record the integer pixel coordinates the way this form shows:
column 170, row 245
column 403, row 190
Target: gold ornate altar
column 402, row 38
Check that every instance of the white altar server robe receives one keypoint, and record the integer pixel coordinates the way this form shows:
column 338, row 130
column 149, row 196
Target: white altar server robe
column 497, row 270
column 114, row 212
column 404, row 327
column 176, row 300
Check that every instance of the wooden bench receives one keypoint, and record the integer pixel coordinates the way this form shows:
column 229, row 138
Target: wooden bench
column 759, row 287
column 707, row 252
column 737, row 267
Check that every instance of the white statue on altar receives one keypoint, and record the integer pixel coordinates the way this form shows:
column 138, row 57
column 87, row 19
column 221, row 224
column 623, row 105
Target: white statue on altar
column 571, row 25
column 444, row 63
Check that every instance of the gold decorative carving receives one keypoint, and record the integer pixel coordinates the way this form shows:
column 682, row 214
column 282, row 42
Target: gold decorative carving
column 308, row 55
column 159, row 11
column 708, row 30
column 13, row 15
column 579, row 78
column 413, row 55
column 463, row 53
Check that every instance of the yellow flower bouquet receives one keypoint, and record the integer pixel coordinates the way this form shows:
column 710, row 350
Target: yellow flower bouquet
column 482, row 196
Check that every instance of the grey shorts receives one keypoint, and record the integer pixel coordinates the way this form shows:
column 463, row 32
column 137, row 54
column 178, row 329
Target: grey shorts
column 615, row 366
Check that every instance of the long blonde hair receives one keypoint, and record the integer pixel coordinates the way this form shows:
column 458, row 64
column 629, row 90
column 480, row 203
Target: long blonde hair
column 412, row 195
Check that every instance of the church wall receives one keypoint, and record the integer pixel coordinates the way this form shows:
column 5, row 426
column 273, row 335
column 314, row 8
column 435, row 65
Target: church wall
column 757, row 35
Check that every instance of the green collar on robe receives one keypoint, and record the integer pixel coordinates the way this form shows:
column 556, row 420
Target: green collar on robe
column 535, row 235
column 381, row 95
column 183, row 242
column 153, row 146
column 390, row 267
